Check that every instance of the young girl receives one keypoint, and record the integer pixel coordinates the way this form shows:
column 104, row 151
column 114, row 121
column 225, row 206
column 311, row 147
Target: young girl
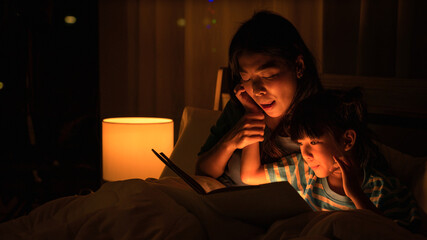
column 339, row 167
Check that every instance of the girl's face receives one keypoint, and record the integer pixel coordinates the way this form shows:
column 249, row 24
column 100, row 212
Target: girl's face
column 269, row 81
column 318, row 154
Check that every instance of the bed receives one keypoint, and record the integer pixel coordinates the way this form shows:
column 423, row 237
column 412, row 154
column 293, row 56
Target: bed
column 167, row 208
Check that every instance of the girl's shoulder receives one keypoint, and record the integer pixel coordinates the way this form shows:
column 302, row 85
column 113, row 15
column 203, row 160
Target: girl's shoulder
column 375, row 177
column 393, row 198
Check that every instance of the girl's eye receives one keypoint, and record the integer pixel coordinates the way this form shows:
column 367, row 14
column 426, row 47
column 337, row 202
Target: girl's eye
column 314, row 142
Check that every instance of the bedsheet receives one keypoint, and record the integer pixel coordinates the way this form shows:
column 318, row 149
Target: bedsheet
column 169, row 209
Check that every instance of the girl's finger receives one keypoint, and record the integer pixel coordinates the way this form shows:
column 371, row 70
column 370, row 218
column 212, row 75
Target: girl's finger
column 340, row 163
column 336, row 160
column 342, row 160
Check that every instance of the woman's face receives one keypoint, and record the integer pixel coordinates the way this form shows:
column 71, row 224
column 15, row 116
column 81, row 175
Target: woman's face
column 269, row 81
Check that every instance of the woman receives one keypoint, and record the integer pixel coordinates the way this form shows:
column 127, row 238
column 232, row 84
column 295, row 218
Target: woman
column 272, row 70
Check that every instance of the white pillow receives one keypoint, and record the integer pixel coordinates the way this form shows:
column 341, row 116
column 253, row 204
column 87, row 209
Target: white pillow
column 412, row 171
column 193, row 131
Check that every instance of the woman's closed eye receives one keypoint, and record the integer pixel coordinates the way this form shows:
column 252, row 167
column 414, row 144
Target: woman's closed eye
column 271, row 77
column 267, row 76
column 245, row 77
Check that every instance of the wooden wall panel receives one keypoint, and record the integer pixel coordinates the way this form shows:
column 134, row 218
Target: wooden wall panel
column 307, row 17
column 341, row 48
column 390, row 96
column 377, row 38
column 169, row 58
column 141, row 58
column 146, row 58
column 114, row 59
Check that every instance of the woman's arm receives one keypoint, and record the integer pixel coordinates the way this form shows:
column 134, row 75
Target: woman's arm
column 212, row 163
column 249, row 129
column 251, row 170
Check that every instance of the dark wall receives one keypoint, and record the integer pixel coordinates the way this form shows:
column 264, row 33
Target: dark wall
column 49, row 124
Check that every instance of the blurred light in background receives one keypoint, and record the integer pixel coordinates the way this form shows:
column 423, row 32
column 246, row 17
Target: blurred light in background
column 70, row 19
column 180, row 22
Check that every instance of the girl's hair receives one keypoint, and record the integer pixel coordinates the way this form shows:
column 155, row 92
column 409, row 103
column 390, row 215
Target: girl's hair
column 273, row 35
column 334, row 112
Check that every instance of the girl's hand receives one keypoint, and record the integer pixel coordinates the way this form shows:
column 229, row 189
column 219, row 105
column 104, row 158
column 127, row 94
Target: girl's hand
column 249, row 129
column 350, row 176
column 248, row 103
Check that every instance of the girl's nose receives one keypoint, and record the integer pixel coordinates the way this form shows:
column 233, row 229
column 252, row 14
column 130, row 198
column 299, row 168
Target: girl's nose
column 306, row 152
column 258, row 87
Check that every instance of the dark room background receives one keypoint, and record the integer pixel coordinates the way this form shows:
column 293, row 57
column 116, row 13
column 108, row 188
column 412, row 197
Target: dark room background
column 49, row 101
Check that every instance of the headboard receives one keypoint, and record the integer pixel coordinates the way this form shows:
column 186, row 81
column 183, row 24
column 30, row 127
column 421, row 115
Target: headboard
column 397, row 110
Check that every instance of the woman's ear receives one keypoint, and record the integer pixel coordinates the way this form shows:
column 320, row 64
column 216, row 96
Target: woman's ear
column 349, row 138
column 300, row 66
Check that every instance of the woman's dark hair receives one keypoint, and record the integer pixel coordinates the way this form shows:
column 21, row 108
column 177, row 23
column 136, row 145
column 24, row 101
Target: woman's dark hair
column 334, row 112
column 273, row 35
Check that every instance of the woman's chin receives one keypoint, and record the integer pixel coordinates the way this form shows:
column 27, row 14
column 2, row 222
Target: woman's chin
column 274, row 115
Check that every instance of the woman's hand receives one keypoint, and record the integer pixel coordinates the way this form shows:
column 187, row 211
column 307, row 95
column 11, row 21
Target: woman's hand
column 351, row 176
column 249, row 129
column 248, row 103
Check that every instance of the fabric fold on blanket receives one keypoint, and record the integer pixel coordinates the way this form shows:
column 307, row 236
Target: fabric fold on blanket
column 130, row 209
column 169, row 209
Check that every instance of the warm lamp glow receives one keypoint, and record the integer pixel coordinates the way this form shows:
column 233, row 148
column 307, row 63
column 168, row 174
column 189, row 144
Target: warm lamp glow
column 127, row 144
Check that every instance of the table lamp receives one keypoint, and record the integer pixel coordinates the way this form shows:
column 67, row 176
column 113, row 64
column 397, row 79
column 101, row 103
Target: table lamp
column 127, row 144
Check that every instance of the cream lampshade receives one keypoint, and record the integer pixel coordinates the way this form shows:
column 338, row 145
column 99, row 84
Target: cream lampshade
column 127, row 144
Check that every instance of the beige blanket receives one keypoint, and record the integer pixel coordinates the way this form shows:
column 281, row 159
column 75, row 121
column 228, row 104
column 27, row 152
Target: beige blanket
column 168, row 209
